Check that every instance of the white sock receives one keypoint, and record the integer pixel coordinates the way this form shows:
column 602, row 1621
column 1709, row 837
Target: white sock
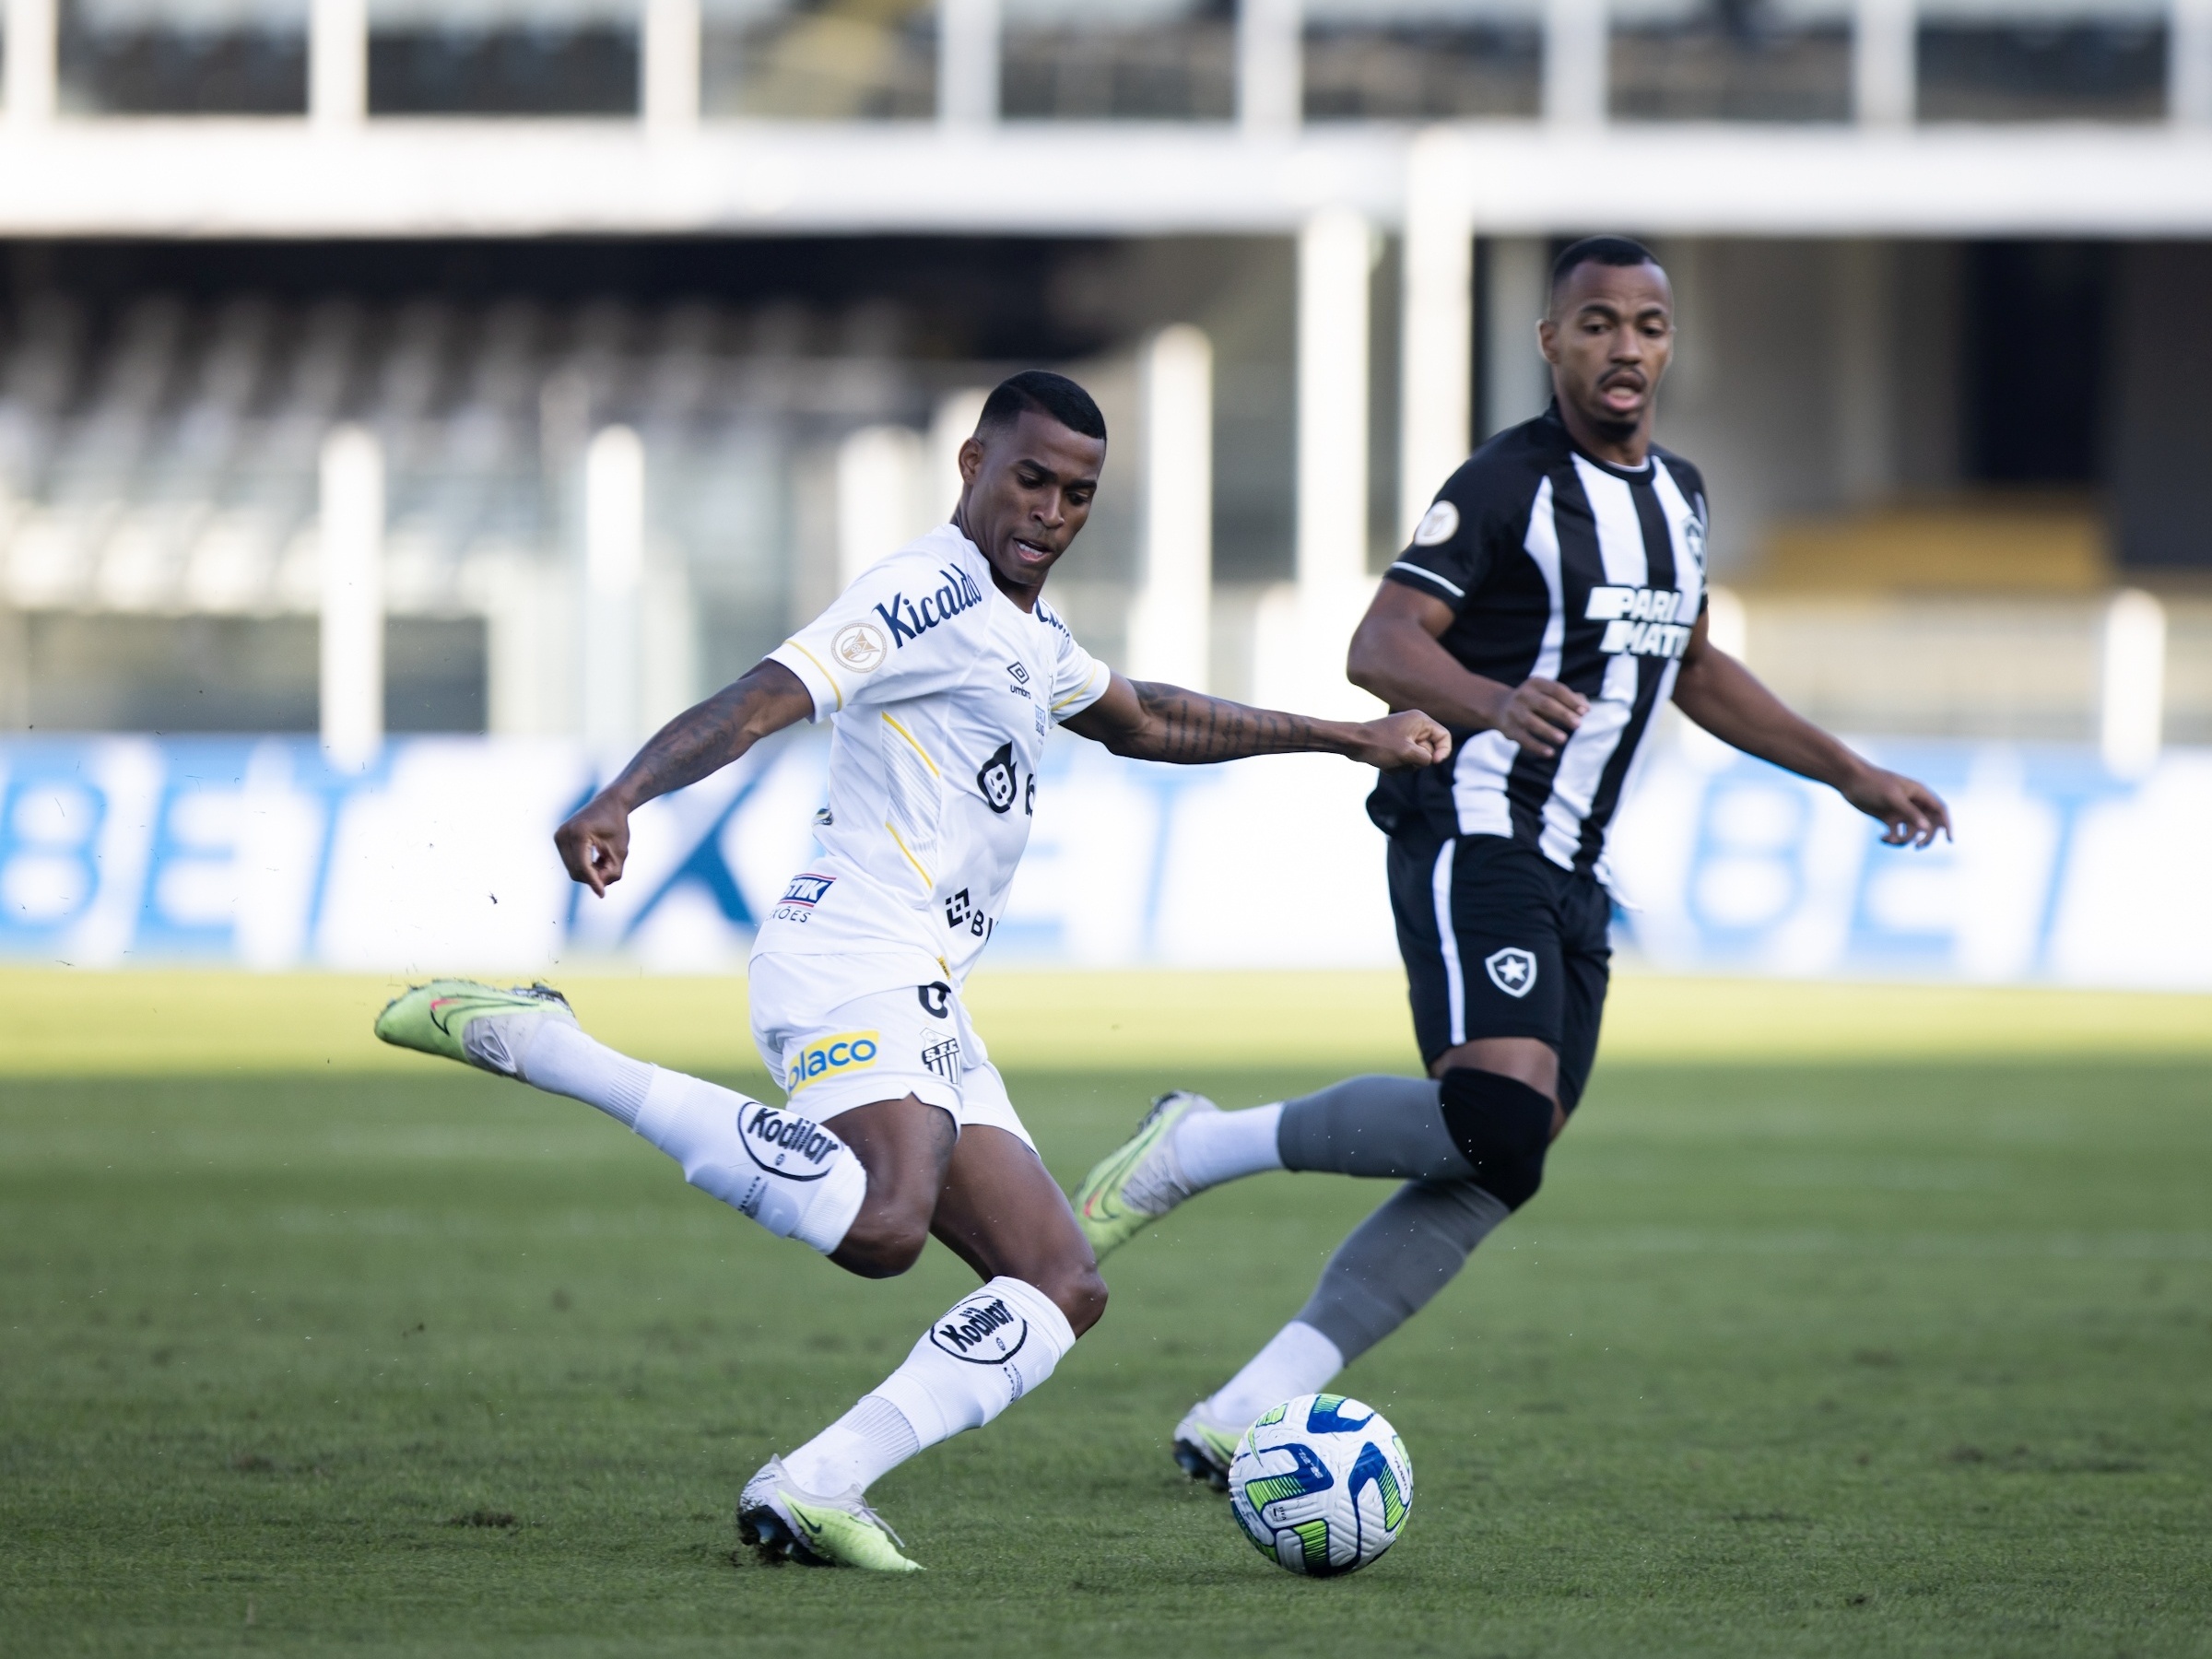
column 1214, row 1146
column 785, row 1171
column 856, row 1451
column 1297, row 1360
column 548, row 1052
column 992, row 1347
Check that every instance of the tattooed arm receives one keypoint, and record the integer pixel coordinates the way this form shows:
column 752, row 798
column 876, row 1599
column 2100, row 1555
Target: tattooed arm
column 1153, row 721
column 596, row 842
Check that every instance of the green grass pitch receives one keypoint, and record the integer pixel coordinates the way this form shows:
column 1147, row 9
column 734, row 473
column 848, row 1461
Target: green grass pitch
column 1895, row 1357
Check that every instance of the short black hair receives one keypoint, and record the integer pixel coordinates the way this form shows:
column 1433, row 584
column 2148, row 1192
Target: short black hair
column 1597, row 250
column 1041, row 391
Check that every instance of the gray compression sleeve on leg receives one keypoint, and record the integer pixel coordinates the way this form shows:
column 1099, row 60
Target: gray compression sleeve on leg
column 1396, row 1259
column 1375, row 1126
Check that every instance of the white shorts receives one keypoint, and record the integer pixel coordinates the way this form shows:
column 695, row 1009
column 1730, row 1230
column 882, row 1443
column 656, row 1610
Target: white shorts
column 841, row 1032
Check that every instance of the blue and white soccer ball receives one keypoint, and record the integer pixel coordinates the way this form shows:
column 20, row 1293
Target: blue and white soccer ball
column 1321, row 1485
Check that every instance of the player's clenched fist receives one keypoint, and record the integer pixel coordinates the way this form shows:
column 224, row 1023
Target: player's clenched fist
column 594, row 843
column 1396, row 741
column 1540, row 714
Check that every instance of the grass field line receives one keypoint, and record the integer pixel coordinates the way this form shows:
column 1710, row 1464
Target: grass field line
column 57, row 1022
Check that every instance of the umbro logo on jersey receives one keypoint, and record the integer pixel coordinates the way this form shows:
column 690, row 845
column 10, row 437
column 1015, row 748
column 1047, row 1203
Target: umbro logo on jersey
column 909, row 620
column 980, row 1331
column 1512, row 971
column 1641, row 621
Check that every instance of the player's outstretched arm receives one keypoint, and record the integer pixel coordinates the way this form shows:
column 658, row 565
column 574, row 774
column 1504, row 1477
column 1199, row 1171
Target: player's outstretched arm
column 1152, row 722
column 596, row 842
column 1728, row 701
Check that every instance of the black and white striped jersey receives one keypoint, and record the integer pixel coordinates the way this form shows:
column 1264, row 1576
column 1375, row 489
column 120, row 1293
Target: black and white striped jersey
column 1562, row 566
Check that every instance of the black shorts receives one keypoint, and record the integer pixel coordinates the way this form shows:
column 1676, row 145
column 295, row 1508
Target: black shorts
column 1500, row 942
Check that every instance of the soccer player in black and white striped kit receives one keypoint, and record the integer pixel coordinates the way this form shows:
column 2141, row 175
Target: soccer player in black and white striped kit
column 1552, row 599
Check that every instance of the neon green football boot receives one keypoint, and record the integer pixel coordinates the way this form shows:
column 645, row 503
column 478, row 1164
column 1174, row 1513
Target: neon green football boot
column 777, row 1519
column 1139, row 1182
column 434, row 1018
column 1205, row 1447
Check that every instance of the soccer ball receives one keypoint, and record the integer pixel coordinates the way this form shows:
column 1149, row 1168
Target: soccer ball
column 1321, row 1485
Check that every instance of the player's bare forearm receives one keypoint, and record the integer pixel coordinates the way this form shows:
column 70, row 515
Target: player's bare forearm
column 1189, row 728
column 1728, row 700
column 1148, row 721
column 594, row 843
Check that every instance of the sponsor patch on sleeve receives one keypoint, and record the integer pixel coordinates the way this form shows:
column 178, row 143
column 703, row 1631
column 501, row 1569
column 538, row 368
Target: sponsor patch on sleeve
column 804, row 891
column 1438, row 525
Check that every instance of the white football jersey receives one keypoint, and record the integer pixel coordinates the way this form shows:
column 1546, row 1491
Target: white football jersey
column 939, row 690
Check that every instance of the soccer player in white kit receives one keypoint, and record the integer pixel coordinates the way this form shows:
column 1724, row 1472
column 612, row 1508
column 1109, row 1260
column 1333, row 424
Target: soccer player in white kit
column 941, row 670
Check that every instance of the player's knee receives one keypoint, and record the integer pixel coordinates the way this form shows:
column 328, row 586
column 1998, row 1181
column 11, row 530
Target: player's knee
column 882, row 1244
column 1502, row 1128
column 1079, row 1293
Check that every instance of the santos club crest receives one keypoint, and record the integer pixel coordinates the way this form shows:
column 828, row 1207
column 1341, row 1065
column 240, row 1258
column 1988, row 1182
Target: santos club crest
column 1512, row 971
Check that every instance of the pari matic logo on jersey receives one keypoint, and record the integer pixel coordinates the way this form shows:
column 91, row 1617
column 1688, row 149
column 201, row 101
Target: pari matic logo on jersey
column 1512, row 971
column 859, row 647
column 837, row 1056
column 1642, row 621
column 982, row 1330
column 786, row 1144
column 911, row 619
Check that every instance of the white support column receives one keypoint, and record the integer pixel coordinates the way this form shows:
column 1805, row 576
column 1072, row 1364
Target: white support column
column 1271, row 65
column 968, row 33
column 338, row 63
column 1885, row 59
column 1516, row 381
column 613, row 579
column 1171, row 623
column 1297, row 655
column 352, row 555
column 668, row 65
column 879, row 484
column 2133, row 719
column 1336, row 256
column 1436, row 350
column 33, row 63
column 1576, row 44
column 2189, row 63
